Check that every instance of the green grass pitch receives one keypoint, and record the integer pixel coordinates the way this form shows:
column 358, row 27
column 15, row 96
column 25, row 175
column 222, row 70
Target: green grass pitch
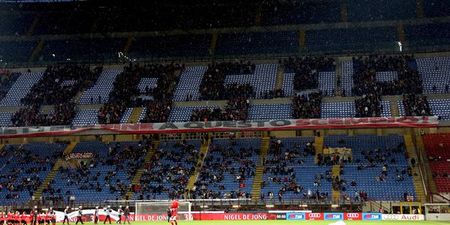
column 284, row 222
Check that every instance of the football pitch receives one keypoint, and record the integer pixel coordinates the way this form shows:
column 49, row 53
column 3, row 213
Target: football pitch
column 283, row 222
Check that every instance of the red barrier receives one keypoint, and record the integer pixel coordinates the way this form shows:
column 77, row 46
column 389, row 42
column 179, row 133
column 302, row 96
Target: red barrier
column 352, row 216
column 314, row 216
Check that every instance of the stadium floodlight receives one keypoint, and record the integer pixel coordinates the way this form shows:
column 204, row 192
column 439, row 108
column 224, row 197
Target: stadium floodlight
column 400, row 46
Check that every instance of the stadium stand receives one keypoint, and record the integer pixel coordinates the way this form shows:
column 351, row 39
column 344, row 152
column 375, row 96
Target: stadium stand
column 176, row 160
column 228, row 170
column 257, row 43
column 438, row 157
column 369, row 155
column 99, row 93
column 291, row 172
column 21, row 88
column 107, row 175
column 24, row 169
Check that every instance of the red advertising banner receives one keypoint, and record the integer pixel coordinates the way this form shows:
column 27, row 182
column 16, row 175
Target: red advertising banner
column 224, row 126
column 314, row 216
column 352, row 216
column 233, row 216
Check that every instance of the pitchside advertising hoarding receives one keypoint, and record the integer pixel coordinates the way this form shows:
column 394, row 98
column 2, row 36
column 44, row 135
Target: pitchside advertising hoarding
column 279, row 215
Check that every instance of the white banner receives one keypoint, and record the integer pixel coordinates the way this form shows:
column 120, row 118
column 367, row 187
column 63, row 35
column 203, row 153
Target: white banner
column 410, row 217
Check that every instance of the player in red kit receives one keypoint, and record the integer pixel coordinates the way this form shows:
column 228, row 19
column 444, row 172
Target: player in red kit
column 173, row 212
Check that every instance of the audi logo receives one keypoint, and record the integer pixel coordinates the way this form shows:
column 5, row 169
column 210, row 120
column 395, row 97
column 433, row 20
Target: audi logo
column 315, row 215
column 353, row 215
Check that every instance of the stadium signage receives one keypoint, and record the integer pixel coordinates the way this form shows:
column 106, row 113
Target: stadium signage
column 372, row 216
column 227, row 126
column 314, row 216
column 352, row 216
column 296, row 216
column 333, row 216
column 413, row 217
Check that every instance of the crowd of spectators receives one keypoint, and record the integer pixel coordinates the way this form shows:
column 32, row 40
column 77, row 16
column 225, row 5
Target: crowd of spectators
column 167, row 175
column 225, row 166
column 416, row 105
column 307, row 106
column 369, row 105
column 365, row 80
column 60, row 83
column 126, row 93
column 122, row 156
column 213, row 85
column 22, row 171
column 62, row 114
column 7, row 79
column 307, row 70
column 279, row 165
column 236, row 109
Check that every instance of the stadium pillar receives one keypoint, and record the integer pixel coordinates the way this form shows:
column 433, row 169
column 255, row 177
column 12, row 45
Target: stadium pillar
column 419, row 9
column 213, row 44
column 33, row 26
column 301, row 39
column 36, row 51
column 344, row 11
column 128, row 44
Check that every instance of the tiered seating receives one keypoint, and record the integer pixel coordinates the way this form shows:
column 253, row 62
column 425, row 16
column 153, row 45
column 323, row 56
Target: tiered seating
column 382, row 150
column 257, row 43
column 436, row 8
column 347, row 77
column 147, row 83
column 85, row 117
column 170, row 46
column 20, row 89
column 270, row 112
column 338, row 109
column 386, row 109
column 366, row 10
column 434, row 34
column 189, row 83
column 169, row 171
column 100, row 91
column 294, row 166
column 126, row 115
column 437, row 146
column 85, row 50
column 352, row 39
column 262, row 80
column 228, row 169
column 288, row 84
column 327, row 82
column 301, row 13
column 16, row 51
column 435, row 73
column 386, row 76
column 106, row 176
column 182, row 114
column 440, row 107
column 5, row 119
column 24, row 168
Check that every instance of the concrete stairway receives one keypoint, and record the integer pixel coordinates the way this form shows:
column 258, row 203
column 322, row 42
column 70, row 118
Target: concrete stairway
column 280, row 78
column 202, row 155
column 318, row 146
column 137, row 177
column 51, row 175
column 335, row 195
column 258, row 179
column 135, row 114
column 417, row 179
